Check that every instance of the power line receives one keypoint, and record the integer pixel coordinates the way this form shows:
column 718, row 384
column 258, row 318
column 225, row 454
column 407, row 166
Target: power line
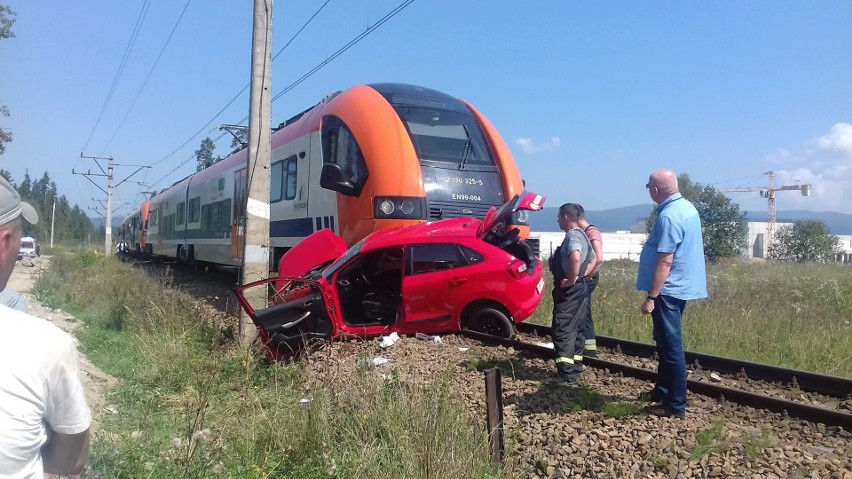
column 153, row 67
column 340, row 51
column 133, row 35
column 343, row 49
column 301, row 79
column 240, row 92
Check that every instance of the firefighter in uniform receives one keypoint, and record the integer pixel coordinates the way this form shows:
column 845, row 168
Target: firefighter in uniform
column 569, row 265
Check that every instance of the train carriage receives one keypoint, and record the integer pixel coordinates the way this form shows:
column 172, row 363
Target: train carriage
column 133, row 232
column 371, row 157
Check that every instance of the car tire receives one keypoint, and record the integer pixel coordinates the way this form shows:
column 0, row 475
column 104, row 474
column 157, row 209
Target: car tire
column 490, row 320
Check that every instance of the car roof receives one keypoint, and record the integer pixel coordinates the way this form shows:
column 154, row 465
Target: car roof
column 436, row 232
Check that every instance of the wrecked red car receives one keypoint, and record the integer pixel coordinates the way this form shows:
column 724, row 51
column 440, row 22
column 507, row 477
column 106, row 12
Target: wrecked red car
column 431, row 278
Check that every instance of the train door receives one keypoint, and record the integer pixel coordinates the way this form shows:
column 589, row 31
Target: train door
column 288, row 201
column 238, row 219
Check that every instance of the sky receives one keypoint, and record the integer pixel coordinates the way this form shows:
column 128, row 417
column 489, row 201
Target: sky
column 591, row 97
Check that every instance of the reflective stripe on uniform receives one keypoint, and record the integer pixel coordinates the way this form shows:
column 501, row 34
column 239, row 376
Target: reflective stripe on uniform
column 578, row 358
column 591, row 347
column 564, row 360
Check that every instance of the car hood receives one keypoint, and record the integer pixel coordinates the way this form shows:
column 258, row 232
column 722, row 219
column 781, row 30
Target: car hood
column 318, row 248
column 527, row 200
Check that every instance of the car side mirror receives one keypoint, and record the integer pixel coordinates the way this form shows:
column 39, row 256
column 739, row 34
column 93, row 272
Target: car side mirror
column 332, row 178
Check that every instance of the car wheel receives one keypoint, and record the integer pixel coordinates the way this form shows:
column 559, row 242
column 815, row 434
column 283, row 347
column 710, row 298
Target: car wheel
column 490, row 320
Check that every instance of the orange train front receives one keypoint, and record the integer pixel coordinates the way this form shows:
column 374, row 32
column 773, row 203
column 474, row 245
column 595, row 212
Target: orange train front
column 368, row 158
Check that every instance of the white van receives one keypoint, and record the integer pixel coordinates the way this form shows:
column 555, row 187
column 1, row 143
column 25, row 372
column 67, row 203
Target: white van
column 29, row 248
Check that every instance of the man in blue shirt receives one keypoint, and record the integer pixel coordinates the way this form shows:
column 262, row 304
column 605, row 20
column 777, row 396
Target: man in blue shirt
column 671, row 270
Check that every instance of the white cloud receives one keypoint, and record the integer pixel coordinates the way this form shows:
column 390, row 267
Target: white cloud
column 838, row 140
column 827, row 168
column 528, row 146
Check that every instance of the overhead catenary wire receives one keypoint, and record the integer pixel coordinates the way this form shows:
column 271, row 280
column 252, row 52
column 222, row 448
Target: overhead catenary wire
column 289, row 87
column 339, row 52
column 243, row 90
column 148, row 77
column 140, row 19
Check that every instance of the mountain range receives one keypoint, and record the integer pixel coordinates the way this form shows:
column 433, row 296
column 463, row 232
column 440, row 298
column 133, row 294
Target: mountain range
column 632, row 218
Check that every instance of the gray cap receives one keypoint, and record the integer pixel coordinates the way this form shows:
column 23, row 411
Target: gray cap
column 11, row 205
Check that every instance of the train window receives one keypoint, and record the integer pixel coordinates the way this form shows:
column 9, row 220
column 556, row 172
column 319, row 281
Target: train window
column 194, row 209
column 446, row 136
column 221, row 184
column 275, row 181
column 205, row 218
column 341, row 147
column 289, row 181
column 435, row 257
column 152, row 218
column 180, row 213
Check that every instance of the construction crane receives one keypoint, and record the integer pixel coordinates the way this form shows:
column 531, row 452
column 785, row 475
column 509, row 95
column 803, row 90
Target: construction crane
column 768, row 192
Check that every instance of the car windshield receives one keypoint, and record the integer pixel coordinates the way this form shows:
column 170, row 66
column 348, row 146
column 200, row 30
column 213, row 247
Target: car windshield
column 27, row 245
column 349, row 254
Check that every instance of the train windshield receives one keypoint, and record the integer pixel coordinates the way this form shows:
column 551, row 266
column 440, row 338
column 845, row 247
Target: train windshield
column 445, row 136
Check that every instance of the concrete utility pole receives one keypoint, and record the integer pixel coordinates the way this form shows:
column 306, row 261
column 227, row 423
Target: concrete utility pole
column 256, row 252
column 108, row 174
column 52, row 221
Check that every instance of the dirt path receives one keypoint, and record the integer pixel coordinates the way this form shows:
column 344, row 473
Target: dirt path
column 95, row 381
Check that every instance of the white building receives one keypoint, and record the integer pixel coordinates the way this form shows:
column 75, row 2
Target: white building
column 623, row 244
column 620, row 244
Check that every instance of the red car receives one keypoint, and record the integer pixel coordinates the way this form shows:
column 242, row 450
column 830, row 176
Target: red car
column 430, row 278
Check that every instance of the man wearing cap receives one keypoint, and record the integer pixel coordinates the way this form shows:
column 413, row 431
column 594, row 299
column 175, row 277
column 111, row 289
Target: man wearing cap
column 44, row 419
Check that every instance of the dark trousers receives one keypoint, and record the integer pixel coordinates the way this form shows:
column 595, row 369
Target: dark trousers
column 569, row 312
column 671, row 369
column 590, row 347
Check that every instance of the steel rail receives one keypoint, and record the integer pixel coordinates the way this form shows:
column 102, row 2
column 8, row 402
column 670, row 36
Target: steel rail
column 807, row 381
column 807, row 412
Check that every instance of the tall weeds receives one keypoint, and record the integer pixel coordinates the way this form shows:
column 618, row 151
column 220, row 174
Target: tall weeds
column 789, row 314
column 191, row 405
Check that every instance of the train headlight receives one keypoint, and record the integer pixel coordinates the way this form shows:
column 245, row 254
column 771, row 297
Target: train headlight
column 399, row 207
column 387, row 207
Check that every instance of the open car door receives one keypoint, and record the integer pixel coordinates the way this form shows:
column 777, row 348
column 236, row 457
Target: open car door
column 295, row 316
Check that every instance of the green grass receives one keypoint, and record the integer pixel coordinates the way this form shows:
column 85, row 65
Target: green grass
column 709, row 440
column 192, row 405
column 787, row 314
column 587, row 399
column 480, row 364
column 754, row 444
column 620, row 409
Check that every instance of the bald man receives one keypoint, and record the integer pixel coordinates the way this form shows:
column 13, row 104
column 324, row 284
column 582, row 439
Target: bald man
column 671, row 272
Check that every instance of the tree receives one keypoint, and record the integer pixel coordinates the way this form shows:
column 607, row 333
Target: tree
column 8, row 175
column 204, row 154
column 6, row 21
column 806, row 240
column 25, row 188
column 724, row 228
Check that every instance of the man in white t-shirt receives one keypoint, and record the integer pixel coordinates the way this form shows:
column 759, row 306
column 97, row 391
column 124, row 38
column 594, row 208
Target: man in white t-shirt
column 44, row 419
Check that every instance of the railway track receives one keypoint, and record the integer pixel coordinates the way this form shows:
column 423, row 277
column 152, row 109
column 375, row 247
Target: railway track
column 550, row 436
column 781, row 392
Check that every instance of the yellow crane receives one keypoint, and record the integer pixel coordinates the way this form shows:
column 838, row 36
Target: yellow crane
column 768, row 192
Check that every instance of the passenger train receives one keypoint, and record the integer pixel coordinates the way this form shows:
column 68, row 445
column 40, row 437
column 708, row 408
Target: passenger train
column 371, row 157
